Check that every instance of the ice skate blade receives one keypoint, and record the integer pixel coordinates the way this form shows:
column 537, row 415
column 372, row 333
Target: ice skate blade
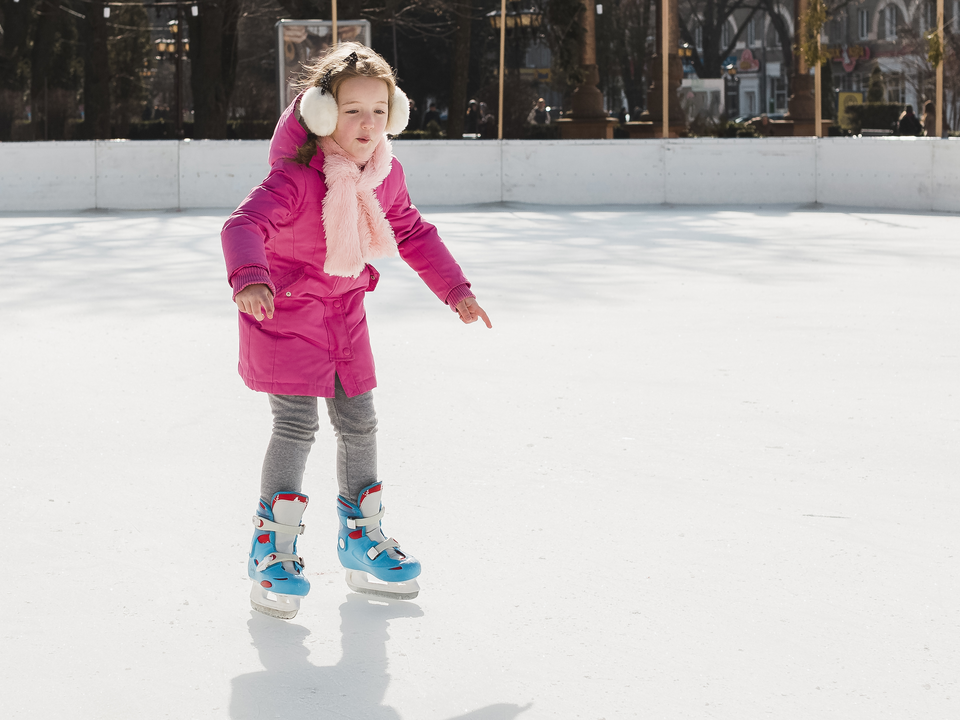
column 361, row 582
column 283, row 607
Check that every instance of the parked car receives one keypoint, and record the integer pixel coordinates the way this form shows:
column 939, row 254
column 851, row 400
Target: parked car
column 743, row 119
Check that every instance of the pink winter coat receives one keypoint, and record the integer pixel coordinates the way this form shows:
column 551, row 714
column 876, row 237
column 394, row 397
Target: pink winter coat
column 319, row 327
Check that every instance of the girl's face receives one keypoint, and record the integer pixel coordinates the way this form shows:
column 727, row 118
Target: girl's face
column 362, row 107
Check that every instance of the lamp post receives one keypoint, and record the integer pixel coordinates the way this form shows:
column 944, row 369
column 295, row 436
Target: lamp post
column 938, row 100
column 333, row 23
column 516, row 20
column 503, row 44
column 177, row 54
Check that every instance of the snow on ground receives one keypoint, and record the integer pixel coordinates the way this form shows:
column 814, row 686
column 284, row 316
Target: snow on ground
column 704, row 466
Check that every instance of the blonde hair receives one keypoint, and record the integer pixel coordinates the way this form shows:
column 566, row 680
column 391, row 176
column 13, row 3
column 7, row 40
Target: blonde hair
column 347, row 60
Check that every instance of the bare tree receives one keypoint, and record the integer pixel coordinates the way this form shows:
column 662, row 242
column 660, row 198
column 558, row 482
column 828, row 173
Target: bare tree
column 709, row 19
column 15, row 38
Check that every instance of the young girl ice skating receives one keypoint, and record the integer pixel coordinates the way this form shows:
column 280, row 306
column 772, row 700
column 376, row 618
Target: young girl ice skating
column 297, row 252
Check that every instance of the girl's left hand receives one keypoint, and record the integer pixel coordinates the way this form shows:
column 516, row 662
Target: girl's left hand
column 470, row 311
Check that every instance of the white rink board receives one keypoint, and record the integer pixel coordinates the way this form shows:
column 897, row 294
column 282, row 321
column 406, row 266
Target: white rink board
column 710, row 171
column 137, row 174
column 442, row 172
column 946, row 177
column 220, row 173
column 586, row 172
column 47, row 176
column 886, row 173
column 893, row 173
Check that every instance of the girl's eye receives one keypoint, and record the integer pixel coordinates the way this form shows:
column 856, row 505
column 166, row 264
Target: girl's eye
column 381, row 112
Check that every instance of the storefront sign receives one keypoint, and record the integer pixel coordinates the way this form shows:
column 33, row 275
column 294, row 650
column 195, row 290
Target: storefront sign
column 845, row 100
column 847, row 54
column 747, row 62
column 535, row 75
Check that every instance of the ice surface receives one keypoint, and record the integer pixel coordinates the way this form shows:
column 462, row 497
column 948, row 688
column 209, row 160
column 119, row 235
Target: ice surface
column 705, row 465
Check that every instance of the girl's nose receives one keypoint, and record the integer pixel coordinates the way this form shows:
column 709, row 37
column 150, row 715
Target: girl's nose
column 367, row 120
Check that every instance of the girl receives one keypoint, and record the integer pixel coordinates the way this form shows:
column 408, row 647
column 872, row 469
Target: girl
column 297, row 252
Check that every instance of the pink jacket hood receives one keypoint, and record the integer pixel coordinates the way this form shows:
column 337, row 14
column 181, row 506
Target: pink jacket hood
column 288, row 135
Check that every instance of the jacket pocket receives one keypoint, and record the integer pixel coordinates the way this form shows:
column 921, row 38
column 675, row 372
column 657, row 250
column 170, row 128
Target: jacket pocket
column 285, row 281
column 374, row 277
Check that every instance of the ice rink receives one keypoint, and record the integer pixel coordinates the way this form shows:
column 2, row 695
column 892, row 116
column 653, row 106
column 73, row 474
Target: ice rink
column 705, row 465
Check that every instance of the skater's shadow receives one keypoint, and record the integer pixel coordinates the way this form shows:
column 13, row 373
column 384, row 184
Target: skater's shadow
column 290, row 686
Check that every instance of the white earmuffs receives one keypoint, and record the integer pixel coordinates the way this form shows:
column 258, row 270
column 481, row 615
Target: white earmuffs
column 319, row 112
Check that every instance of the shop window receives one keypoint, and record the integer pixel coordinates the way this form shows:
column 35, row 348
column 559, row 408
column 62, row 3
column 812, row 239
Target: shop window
column 778, row 94
column 890, row 22
column 928, row 20
column 896, row 87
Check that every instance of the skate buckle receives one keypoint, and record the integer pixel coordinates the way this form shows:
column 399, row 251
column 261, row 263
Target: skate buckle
column 354, row 523
column 274, row 558
column 262, row 523
column 374, row 552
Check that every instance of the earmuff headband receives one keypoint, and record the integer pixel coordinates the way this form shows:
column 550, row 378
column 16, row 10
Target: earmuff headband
column 318, row 108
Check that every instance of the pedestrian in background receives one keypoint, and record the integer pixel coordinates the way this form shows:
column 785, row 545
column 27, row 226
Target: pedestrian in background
column 539, row 115
column 908, row 124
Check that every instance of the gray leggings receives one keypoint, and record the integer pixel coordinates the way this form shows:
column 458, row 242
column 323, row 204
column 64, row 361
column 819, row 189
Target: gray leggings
column 295, row 425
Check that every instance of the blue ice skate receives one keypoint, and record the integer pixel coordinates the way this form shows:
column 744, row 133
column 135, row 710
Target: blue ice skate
column 375, row 565
column 274, row 566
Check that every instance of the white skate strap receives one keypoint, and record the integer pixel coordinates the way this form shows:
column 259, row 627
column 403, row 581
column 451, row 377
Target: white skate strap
column 387, row 544
column 271, row 526
column 274, row 558
column 354, row 523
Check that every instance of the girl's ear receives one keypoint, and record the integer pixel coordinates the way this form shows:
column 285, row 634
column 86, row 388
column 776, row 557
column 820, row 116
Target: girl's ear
column 319, row 111
column 398, row 114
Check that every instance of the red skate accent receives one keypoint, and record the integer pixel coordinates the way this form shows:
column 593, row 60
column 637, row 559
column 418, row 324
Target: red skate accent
column 397, row 568
column 356, row 534
column 261, row 522
column 263, row 539
column 256, row 562
column 266, row 584
column 368, row 491
column 291, row 497
column 345, row 505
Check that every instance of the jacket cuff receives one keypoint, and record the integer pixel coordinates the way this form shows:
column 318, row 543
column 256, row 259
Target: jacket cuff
column 251, row 275
column 460, row 292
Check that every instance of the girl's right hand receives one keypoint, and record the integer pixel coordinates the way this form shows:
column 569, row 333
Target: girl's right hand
column 252, row 298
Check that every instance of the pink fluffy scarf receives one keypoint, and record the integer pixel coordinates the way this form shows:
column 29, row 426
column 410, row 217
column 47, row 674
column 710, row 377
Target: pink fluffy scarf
column 356, row 228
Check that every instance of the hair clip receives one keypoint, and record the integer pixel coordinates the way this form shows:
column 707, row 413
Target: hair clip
column 352, row 59
column 324, row 83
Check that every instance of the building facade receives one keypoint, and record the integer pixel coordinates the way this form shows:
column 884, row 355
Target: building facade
column 859, row 37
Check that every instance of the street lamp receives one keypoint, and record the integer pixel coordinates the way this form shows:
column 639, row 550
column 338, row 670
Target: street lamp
column 731, row 87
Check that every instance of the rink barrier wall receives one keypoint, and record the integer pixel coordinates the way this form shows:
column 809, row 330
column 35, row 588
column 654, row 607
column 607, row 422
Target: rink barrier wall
column 885, row 173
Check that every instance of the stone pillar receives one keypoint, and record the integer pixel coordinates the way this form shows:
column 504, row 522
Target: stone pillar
column 587, row 118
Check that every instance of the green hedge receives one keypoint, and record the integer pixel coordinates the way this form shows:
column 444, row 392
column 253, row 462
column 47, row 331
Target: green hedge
column 874, row 116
